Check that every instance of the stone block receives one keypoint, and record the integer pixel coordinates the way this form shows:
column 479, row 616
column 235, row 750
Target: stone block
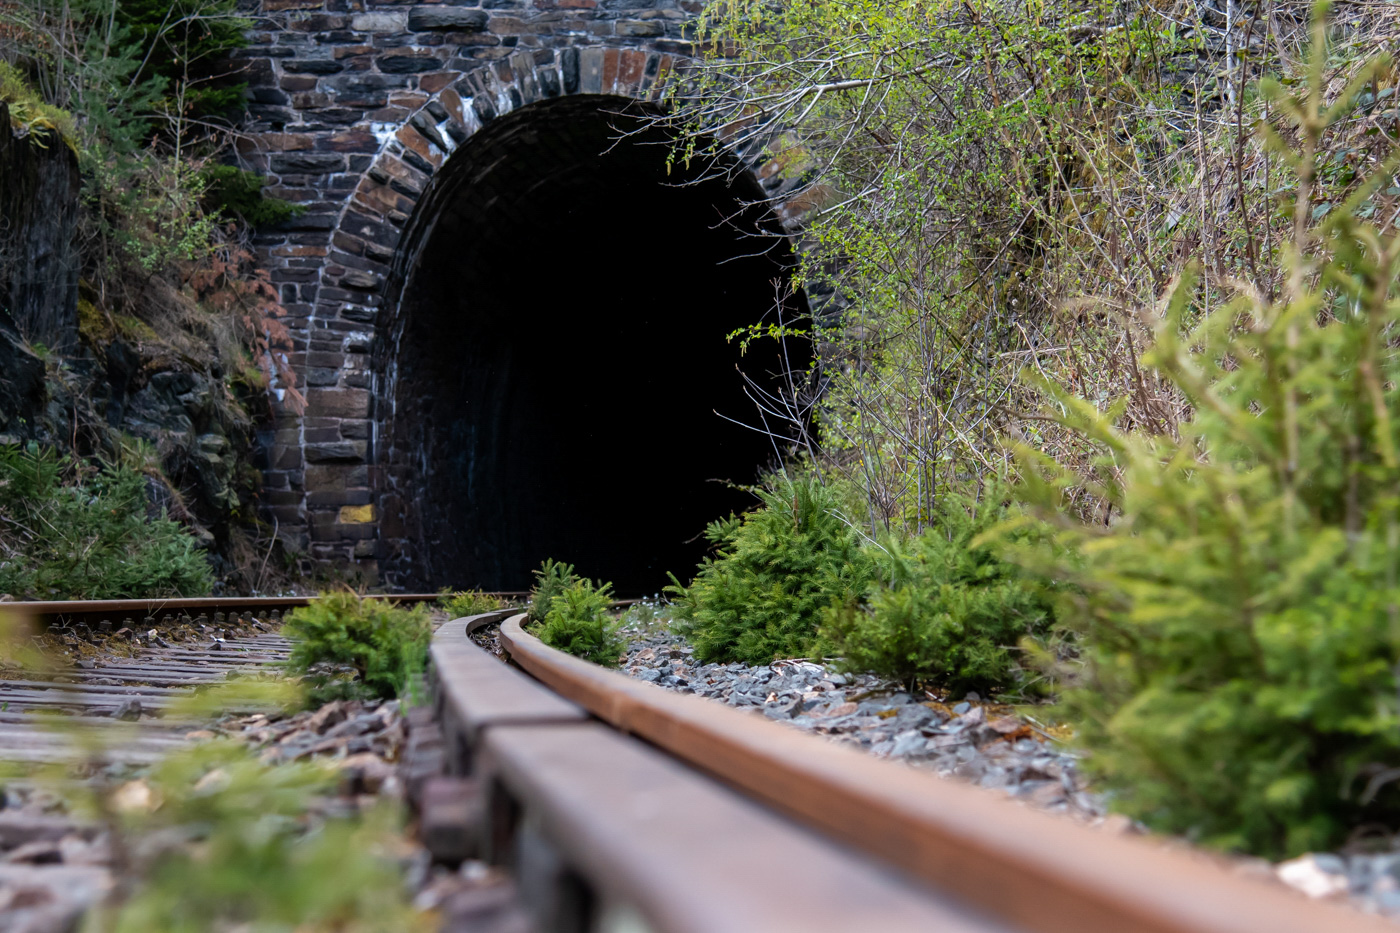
column 569, row 70
column 335, row 359
column 590, row 71
column 361, row 280
column 381, row 199
column 320, row 378
column 335, row 498
column 322, row 435
column 297, row 83
column 332, row 476
column 630, row 65
column 278, row 6
column 456, row 19
column 339, row 403
column 337, row 452
column 355, row 140
column 432, row 83
column 357, row 429
column 379, row 22
column 355, row 514
column 632, row 28
column 312, row 66
column 407, row 64
column 452, row 813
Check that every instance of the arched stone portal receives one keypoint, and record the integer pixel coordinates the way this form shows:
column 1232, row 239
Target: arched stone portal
column 375, row 121
column 558, row 352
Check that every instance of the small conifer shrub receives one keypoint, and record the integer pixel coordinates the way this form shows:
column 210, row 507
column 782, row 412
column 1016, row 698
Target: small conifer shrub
column 942, row 608
column 578, row 622
column 1238, row 615
column 384, row 645
column 255, row 852
column 552, row 579
column 775, row 569
column 461, row 603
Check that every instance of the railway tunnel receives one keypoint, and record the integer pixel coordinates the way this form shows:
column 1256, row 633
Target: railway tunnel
column 560, row 364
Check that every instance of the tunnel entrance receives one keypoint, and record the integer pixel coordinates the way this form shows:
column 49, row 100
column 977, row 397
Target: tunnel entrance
column 560, row 351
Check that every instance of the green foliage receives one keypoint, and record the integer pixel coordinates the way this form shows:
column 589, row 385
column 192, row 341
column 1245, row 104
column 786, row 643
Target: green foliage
column 148, row 84
column 552, row 579
column 943, row 608
column 187, row 43
column 69, row 533
column 1239, row 614
column 469, row 603
column 967, row 159
column 29, row 110
column 775, row 569
column 386, row 646
column 235, row 192
column 578, row 622
column 248, row 857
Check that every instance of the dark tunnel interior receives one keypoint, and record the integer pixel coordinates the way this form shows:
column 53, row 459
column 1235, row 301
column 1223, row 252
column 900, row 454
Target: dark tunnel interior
column 563, row 355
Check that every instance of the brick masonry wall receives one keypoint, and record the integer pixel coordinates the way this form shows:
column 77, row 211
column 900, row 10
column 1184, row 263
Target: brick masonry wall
column 357, row 105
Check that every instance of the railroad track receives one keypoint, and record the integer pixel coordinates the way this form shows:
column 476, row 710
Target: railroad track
column 618, row 806
column 131, row 613
column 131, row 660
column 621, row 806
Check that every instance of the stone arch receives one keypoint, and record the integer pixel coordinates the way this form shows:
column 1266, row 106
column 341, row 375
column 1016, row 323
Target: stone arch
column 343, row 451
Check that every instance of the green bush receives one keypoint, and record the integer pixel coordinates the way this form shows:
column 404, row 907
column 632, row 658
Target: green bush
column 942, row 609
column 462, row 603
column 552, row 579
column 1240, row 615
column 385, row 645
column 578, row 622
column 69, row 533
column 249, row 854
column 236, row 192
column 774, row 571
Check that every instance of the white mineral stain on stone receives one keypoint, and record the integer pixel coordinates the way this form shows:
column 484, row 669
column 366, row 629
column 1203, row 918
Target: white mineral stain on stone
column 447, row 139
column 357, row 341
column 470, row 120
column 383, row 132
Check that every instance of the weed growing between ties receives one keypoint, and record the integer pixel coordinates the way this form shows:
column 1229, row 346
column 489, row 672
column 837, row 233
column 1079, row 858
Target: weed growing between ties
column 460, row 603
column 69, row 531
column 1238, row 616
column 578, row 621
column 942, row 609
column 221, row 841
column 349, row 647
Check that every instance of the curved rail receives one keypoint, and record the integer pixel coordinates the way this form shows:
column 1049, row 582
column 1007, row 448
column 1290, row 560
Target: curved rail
column 1025, row 868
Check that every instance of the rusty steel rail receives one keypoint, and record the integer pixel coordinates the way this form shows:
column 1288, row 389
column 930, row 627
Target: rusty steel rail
column 976, row 861
column 91, row 610
column 604, row 832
